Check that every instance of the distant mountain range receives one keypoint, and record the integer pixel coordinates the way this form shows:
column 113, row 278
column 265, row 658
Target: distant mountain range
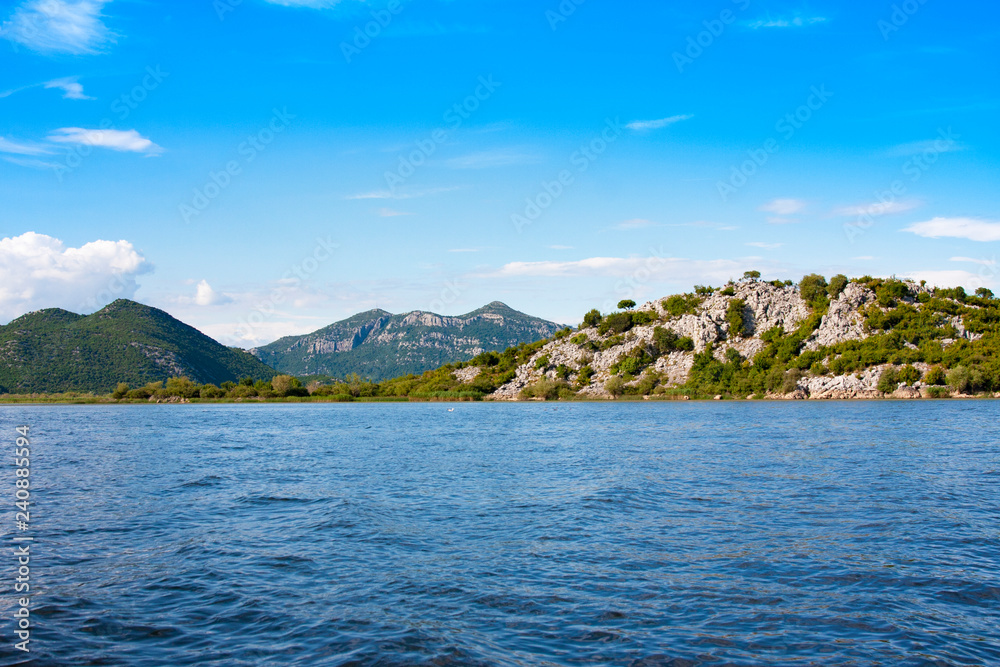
column 379, row 345
column 55, row 350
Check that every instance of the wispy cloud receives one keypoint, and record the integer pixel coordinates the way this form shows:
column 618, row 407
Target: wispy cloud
column 118, row 140
column 657, row 124
column 488, row 159
column 7, row 146
column 782, row 22
column 785, row 206
column 390, row 194
column 879, row 208
column 959, row 228
column 464, row 250
column 32, row 163
column 72, row 89
column 765, row 246
column 933, row 146
column 973, row 260
column 390, row 213
column 58, row 26
column 636, row 223
column 664, row 268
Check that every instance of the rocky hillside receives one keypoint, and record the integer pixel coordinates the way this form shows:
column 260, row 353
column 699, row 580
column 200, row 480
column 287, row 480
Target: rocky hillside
column 860, row 339
column 56, row 351
column 380, row 345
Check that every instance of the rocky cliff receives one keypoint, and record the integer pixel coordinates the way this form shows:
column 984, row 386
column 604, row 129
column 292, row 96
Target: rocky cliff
column 769, row 311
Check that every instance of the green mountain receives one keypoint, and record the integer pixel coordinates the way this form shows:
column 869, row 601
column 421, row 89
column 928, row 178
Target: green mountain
column 379, row 345
column 55, row 350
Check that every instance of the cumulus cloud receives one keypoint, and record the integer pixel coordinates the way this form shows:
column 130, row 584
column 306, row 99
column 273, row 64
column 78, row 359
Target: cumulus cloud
column 784, row 206
column 641, row 125
column 970, row 281
column 973, row 260
column 58, row 26
column 959, row 228
column 206, row 296
column 117, row 140
column 39, row 271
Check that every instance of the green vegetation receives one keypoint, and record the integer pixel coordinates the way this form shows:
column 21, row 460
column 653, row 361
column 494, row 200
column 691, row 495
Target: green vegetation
column 735, row 314
column 58, row 351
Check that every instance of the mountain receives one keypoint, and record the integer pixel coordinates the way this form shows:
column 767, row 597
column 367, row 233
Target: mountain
column 55, row 350
column 379, row 345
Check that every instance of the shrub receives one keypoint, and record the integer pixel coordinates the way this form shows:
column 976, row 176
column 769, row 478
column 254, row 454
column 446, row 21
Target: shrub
column 935, row 376
column 120, row 391
column 211, row 391
column 141, row 393
column 544, row 388
column 888, row 382
column 542, row 362
column 728, row 291
column 665, row 340
column 615, row 386
column 681, row 304
column 966, row 380
column 703, row 290
column 685, row 344
column 641, row 317
column 562, row 371
column 579, row 339
column 909, row 374
column 790, row 380
column 592, row 318
column 818, row 368
column 616, row 322
column 735, row 317
column 583, row 376
column 938, row 392
column 562, row 333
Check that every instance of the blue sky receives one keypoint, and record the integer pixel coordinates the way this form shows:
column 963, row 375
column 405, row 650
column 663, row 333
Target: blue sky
column 265, row 168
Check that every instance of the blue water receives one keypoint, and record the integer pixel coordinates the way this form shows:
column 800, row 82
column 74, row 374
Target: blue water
column 529, row 534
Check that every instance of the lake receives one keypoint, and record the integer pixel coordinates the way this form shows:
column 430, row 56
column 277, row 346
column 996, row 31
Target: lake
column 733, row 533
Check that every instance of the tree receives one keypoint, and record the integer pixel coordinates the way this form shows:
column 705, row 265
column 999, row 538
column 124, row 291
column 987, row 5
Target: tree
column 615, row 386
column 984, row 293
column 752, row 276
column 626, row 304
column 593, row 318
column 837, row 285
column 813, row 289
column 120, row 391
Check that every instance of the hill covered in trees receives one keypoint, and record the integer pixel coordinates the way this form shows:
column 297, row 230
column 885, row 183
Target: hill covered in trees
column 57, row 351
column 378, row 345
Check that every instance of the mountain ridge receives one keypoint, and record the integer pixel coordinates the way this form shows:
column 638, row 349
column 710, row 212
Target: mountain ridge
column 380, row 345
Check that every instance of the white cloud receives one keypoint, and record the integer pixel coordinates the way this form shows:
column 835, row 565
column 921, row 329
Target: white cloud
column 933, row 146
column 489, row 159
column 7, row 146
column 784, row 206
column 659, row 268
column 973, row 260
column 636, row 223
column 796, row 22
column 765, row 246
column 390, row 213
column 72, row 90
column 118, row 140
column 206, row 296
column 879, row 208
column 39, row 271
column 970, row 281
column 395, row 194
column 959, row 228
column 58, row 26
column 657, row 124
column 464, row 250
